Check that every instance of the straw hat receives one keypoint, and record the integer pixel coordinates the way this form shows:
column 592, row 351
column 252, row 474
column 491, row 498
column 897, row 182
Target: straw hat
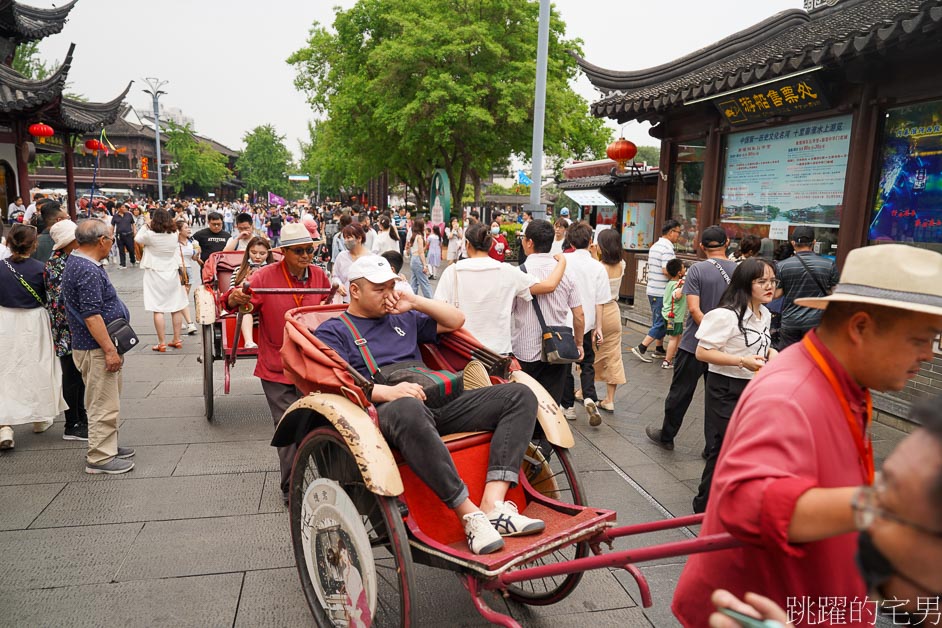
column 891, row 275
column 293, row 234
column 62, row 233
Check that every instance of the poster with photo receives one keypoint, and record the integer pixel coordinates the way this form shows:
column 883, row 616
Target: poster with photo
column 908, row 203
column 637, row 229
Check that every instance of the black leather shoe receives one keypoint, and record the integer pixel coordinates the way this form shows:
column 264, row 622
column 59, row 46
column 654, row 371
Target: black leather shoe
column 656, row 434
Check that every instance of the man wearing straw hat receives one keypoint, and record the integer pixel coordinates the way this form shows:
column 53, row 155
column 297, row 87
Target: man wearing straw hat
column 294, row 271
column 798, row 445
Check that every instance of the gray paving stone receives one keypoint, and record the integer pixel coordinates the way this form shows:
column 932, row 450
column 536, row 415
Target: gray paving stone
column 155, row 499
column 54, row 465
column 238, row 457
column 271, row 495
column 662, row 580
column 543, row 617
column 597, row 591
column 26, row 440
column 185, row 430
column 153, row 408
column 22, row 504
column 167, row 549
column 272, row 598
column 54, row 558
column 198, row 602
column 442, row 600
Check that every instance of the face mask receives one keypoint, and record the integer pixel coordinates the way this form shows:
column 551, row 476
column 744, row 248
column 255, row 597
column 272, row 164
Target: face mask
column 875, row 568
column 349, row 244
column 495, row 230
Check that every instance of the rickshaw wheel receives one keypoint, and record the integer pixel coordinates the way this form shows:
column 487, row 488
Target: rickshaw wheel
column 549, row 470
column 325, row 455
column 208, row 342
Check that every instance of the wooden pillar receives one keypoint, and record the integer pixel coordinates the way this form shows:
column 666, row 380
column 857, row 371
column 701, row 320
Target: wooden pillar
column 713, row 163
column 855, row 217
column 22, row 166
column 70, row 174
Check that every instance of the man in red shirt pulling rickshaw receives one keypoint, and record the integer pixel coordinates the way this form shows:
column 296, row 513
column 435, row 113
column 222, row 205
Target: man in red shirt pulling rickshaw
column 383, row 328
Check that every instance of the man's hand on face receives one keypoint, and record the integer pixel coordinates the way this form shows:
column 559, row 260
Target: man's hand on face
column 400, row 302
column 245, row 235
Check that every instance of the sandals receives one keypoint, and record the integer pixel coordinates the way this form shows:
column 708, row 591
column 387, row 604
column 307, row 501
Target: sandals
column 161, row 348
column 176, row 345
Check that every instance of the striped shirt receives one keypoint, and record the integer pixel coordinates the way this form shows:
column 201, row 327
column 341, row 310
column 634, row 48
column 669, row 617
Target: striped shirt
column 660, row 253
column 556, row 307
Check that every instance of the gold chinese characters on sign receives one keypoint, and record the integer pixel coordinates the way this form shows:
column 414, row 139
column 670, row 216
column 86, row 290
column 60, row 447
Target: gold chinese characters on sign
column 799, row 95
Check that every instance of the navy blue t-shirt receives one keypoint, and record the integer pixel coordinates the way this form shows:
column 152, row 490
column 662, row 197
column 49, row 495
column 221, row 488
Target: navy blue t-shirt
column 14, row 294
column 391, row 339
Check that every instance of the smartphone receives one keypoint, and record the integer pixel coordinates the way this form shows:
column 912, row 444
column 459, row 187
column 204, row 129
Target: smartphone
column 750, row 622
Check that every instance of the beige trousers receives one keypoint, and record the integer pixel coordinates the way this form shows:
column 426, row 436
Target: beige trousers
column 102, row 403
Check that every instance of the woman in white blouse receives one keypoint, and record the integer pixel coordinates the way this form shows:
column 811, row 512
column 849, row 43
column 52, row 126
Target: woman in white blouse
column 735, row 341
column 163, row 290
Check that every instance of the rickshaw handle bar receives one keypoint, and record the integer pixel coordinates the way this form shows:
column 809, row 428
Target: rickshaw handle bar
column 289, row 291
column 652, row 526
column 700, row 545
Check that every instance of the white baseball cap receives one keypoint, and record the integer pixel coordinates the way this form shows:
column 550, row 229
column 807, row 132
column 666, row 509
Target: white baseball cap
column 373, row 268
column 62, row 233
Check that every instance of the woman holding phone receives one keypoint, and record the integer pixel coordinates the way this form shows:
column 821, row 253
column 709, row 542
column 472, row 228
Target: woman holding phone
column 735, row 341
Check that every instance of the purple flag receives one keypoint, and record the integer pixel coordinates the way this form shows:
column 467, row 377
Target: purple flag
column 274, row 199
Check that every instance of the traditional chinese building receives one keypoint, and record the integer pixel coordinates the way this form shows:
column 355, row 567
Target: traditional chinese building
column 829, row 117
column 25, row 101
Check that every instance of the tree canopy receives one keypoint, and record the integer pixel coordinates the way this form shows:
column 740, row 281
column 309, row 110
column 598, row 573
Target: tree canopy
column 265, row 163
column 408, row 86
column 194, row 163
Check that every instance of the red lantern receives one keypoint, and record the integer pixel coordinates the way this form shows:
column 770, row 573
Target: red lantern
column 42, row 131
column 93, row 144
column 621, row 151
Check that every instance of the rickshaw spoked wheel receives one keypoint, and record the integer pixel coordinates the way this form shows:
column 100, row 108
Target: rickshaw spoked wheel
column 208, row 344
column 325, row 472
column 549, row 470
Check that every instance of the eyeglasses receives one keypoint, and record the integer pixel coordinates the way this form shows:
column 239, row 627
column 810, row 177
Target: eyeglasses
column 765, row 283
column 866, row 509
column 302, row 251
column 110, row 238
column 678, row 231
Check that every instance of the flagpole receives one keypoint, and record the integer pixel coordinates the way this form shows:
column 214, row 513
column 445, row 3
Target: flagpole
column 539, row 110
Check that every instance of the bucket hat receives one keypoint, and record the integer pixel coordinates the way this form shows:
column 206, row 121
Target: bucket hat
column 891, row 275
column 293, row 234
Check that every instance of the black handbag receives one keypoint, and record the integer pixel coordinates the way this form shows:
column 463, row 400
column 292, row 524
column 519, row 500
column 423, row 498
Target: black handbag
column 122, row 335
column 440, row 387
column 557, row 343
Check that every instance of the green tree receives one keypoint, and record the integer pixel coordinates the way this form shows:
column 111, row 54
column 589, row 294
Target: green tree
column 408, row 86
column 194, row 163
column 265, row 162
column 650, row 154
column 27, row 62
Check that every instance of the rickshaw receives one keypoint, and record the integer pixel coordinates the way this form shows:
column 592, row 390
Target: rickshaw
column 360, row 519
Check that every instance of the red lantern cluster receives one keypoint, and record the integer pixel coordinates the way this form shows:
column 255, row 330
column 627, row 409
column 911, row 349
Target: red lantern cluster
column 621, row 151
column 93, row 145
column 41, row 130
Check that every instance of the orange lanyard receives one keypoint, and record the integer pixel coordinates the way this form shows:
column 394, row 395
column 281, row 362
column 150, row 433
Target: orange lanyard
column 861, row 439
column 298, row 298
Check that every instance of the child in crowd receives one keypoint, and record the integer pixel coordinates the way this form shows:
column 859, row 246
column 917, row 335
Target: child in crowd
column 675, row 309
column 395, row 262
column 434, row 253
column 257, row 254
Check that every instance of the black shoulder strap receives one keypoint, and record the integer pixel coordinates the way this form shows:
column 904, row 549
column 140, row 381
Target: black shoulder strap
column 813, row 276
column 536, row 305
column 24, row 283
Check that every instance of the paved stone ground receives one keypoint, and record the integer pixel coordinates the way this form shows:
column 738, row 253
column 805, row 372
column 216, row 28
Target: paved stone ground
column 196, row 534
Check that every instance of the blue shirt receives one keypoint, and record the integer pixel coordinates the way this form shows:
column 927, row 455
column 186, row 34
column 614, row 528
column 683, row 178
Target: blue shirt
column 391, row 339
column 87, row 291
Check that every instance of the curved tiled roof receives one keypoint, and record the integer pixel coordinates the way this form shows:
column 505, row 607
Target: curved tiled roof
column 84, row 117
column 785, row 43
column 22, row 23
column 18, row 93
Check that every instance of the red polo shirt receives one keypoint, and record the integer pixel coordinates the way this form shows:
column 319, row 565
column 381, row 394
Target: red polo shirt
column 787, row 435
column 271, row 309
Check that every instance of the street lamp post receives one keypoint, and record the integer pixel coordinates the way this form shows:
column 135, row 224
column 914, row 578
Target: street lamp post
column 539, row 109
column 155, row 93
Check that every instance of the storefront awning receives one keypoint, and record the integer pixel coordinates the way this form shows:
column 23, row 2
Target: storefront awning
column 590, row 198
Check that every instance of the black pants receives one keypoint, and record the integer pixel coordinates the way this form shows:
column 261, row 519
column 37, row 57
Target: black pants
column 790, row 335
column 722, row 393
column 402, row 241
column 586, row 376
column 551, row 376
column 125, row 242
column 280, row 397
column 507, row 410
column 73, row 391
column 687, row 373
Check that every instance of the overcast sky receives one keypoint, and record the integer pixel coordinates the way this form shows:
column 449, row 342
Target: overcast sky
column 224, row 60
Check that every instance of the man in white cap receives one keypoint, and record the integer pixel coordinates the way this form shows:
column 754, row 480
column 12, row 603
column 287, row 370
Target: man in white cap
column 73, row 387
column 392, row 325
column 295, row 270
column 798, row 446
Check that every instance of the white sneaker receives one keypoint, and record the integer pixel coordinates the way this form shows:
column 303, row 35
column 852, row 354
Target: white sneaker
column 509, row 522
column 482, row 537
column 41, row 426
column 6, row 442
column 595, row 417
column 190, row 329
column 250, row 345
column 641, row 356
column 569, row 413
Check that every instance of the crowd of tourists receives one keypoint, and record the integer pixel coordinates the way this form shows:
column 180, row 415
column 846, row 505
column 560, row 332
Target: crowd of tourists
column 788, row 350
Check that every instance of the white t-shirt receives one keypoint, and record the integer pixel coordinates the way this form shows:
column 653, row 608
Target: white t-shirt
column 661, row 252
column 485, row 289
column 719, row 330
column 591, row 280
column 557, row 246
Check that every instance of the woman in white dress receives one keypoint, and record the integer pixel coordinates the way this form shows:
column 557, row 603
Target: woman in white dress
column 163, row 291
column 30, row 374
column 455, row 235
column 387, row 238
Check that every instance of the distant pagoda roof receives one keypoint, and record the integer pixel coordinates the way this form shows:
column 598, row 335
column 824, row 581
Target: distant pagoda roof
column 785, row 43
column 22, row 23
column 77, row 115
column 18, row 93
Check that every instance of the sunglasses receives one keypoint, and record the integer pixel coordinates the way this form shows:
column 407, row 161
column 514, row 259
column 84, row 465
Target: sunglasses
column 302, row 251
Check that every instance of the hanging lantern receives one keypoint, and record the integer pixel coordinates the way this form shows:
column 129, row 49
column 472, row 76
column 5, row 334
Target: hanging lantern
column 93, row 144
column 42, row 131
column 621, row 151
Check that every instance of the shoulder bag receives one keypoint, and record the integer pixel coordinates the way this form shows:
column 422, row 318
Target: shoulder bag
column 720, row 268
column 814, row 277
column 440, row 387
column 557, row 343
column 119, row 330
column 181, row 269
